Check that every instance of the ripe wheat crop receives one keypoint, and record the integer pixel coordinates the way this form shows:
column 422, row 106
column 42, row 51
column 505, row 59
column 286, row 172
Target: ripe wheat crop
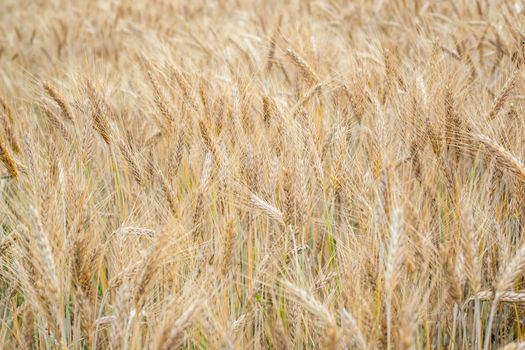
column 244, row 174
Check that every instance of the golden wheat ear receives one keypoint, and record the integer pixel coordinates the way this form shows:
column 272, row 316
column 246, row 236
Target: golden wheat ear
column 504, row 159
column 307, row 72
column 7, row 160
column 98, row 113
column 503, row 96
column 59, row 100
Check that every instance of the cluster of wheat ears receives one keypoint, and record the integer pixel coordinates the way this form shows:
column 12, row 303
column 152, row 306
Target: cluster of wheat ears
column 262, row 174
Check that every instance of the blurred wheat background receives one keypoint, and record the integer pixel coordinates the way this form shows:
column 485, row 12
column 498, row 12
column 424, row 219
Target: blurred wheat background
column 234, row 174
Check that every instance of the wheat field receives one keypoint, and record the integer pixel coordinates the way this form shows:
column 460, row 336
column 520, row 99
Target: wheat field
column 249, row 174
